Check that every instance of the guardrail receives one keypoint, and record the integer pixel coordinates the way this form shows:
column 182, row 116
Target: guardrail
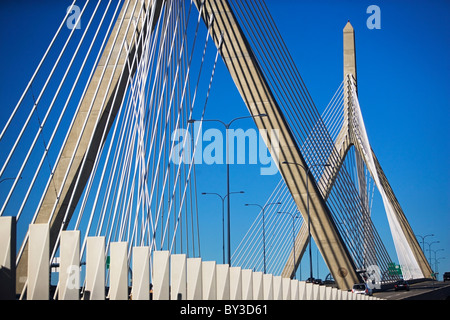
column 173, row 276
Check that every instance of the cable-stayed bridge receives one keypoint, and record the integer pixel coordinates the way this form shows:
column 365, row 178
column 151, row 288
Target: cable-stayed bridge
column 103, row 146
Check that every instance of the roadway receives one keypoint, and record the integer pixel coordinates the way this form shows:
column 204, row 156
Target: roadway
column 426, row 290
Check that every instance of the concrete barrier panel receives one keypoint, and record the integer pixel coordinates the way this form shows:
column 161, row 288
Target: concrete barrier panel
column 268, row 286
column 277, row 288
column 178, row 277
column 209, row 280
column 302, row 290
column 235, row 283
column 140, row 289
column 334, row 294
column 69, row 274
column 160, row 275
column 344, row 295
column 328, row 293
column 286, row 284
column 118, row 287
column 258, row 286
column 294, row 289
column 194, row 279
column 223, row 281
column 310, row 294
column 38, row 262
column 7, row 258
column 321, row 292
column 95, row 269
column 247, row 284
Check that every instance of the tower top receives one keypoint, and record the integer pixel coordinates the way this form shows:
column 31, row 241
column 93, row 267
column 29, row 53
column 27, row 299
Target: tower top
column 348, row 27
column 349, row 51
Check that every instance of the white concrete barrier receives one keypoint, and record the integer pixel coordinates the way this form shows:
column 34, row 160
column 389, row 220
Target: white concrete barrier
column 302, row 290
column 258, row 286
column 194, row 279
column 118, row 283
column 321, row 292
column 309, row 287
column 294, row 289
column 223, row 282
column 235, row 283
column 140, row 289
column 39, row 262
column 69, row 274
column 268, row 286
column 247, row 284
column 8, row 258
column 95, row 268
column 160, row 275
column 334, row 294
column 277, row 288
column 286, row 283
column 209, row 280
column 178, row 273
column 328, row 293
column 172, row 276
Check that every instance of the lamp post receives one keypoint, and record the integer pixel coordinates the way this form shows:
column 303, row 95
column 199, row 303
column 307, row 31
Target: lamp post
column 4, row 179
column 293, row 216
column 435, row 257
column 308, row 170
column 423, row 240
column 223, row 217
column 437, row 263
column 264, row 228
column 429, row 247
column 227, row 126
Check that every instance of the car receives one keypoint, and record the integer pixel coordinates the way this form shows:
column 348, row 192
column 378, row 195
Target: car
column 446, row 276
column 318, row 281
column 361, row 288
column 401, row 285
column 310, row 280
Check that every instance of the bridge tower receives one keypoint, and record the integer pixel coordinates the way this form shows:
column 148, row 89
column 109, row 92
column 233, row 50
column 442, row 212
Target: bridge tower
column 407, row 247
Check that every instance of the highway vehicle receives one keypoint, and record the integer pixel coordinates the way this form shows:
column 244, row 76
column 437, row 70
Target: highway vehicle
column 446, row 276
column 318, row 281
column 401, row 285
column 361, row 288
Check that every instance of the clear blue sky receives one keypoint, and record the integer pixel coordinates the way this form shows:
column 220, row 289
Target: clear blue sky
column 403, row 82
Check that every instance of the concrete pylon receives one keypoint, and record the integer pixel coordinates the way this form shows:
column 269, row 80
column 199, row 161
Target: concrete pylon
column 344, row 141
column 255, row 92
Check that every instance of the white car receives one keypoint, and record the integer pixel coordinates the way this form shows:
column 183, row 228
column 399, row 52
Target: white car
column 362, row 288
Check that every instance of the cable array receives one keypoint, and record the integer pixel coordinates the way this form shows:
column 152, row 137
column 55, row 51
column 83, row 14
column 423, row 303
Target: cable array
column 142, row 187
column 312, row 135
column 276, row 230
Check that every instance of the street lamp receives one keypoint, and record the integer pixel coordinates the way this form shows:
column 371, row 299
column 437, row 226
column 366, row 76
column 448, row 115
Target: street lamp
column 223, row 217
column 227, row 126
column 429, row 247
column 293, row 216
column 4, row 179
column 437, row 263
column 308, row 170
column 435, row 257
column 423, row 240
column 264, row 231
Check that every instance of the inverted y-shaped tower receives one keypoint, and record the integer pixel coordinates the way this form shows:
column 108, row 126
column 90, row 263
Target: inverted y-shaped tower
column 353, row 134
